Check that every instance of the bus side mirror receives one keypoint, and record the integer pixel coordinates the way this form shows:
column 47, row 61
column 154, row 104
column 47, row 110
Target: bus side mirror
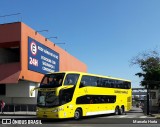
column 33, row 89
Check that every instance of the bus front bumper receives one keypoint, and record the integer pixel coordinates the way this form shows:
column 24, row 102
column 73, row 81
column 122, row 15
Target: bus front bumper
column 51, row 113
column 48, row 115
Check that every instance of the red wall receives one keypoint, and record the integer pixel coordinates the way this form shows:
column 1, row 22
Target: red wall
column 10, row 32
column 18, row 33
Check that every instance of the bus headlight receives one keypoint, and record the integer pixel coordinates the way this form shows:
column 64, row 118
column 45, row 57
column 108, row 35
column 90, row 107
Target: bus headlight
column 57, row 109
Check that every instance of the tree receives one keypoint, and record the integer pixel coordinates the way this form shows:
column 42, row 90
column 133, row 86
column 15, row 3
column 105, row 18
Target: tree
column 149, row 62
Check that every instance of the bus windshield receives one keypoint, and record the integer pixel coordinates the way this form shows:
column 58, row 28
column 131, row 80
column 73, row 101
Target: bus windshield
column 47, row 99
column 52, row 80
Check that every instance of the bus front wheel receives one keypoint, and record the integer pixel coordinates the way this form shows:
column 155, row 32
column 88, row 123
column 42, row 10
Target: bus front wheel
column 78, row 114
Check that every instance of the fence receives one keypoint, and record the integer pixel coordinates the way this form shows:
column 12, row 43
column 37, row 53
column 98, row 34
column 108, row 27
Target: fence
column 19, row 107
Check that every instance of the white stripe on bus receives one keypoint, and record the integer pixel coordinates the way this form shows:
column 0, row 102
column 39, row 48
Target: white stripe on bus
column 100, row 112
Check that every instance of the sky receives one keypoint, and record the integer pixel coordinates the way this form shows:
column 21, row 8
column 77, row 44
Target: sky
column 104, row 34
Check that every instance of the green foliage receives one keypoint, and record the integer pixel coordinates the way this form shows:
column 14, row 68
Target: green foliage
column 149, row 62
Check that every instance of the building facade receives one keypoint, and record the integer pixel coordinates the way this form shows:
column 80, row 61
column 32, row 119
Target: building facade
column 25, row 56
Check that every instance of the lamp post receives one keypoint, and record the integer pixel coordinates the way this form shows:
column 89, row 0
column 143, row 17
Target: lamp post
column 40, row 31
column 4, row 16
column 51, row 37
column 59, row 43
column 147, row 99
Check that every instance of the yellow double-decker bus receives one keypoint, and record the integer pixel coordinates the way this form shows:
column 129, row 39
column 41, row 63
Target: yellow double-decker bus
column 77, row 94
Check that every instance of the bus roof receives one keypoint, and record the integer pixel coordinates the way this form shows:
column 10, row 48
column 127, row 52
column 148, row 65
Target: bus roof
column 83, row 73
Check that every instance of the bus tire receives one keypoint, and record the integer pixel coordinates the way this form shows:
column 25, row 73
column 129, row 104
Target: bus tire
column 123, row 110
column 77, row 114
column 116, row 111
column 120, row 111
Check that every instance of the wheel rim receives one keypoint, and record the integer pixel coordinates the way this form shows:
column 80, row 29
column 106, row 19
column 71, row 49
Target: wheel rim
column 76, row 115
column 122, row 110
column 116, row 111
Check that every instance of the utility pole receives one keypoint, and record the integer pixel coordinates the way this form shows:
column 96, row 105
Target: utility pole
column 147, row 99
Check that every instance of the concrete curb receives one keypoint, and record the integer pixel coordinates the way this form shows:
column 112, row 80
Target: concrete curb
column 155, row 115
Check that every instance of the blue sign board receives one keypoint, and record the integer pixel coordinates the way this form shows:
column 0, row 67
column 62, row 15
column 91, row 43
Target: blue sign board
column 41, row 58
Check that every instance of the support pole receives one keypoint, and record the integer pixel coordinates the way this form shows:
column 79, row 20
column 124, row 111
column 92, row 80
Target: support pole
column 147, row 100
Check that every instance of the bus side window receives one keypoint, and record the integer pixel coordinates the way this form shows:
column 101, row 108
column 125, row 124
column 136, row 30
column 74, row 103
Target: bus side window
column 85, row 81
column 112, row 85
column 125, row 85
column 93, row 81
column 99, row 82
column 71, row 79
column 129, row 85
column 107, row 84
column 94, row 84
column 121, row 86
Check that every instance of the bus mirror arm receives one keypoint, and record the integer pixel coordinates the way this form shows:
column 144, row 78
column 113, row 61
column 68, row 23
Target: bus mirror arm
column 31, row 91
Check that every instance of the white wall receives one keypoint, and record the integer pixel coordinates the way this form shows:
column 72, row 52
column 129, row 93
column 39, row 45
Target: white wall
column 20, row 93
column 22, row 89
